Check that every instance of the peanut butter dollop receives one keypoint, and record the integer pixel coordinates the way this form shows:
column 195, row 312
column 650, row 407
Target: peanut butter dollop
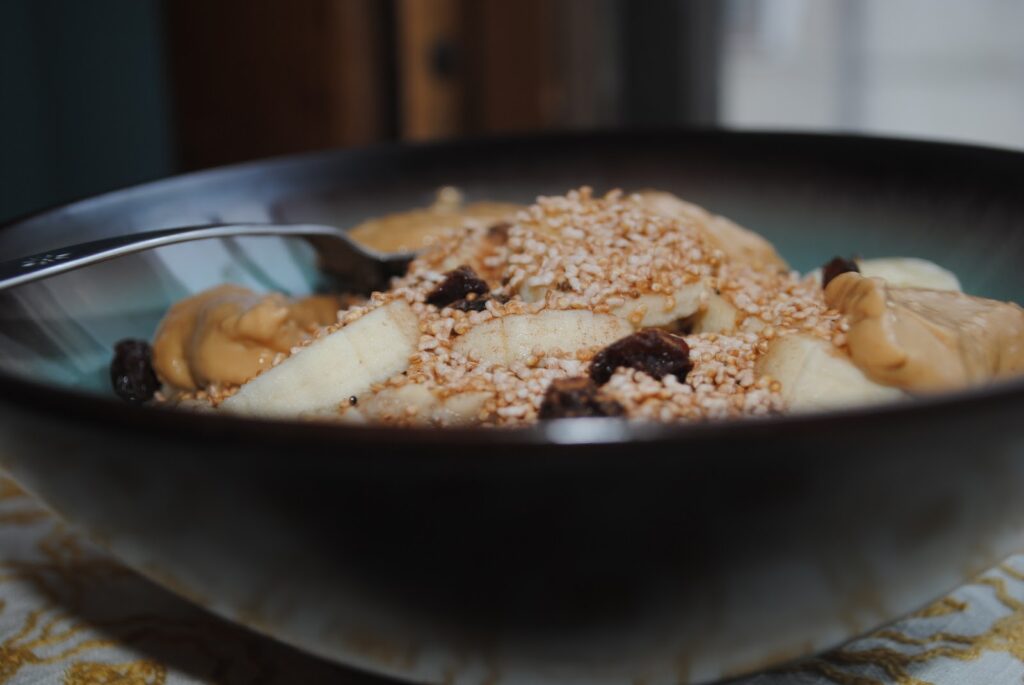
column 229, row 334
column 415, row 229
column 926, row 340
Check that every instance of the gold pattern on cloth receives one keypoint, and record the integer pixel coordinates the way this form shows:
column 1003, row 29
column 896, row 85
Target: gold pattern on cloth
column 910, row 647
column 946, row 605
column 71, row 615
column 132, row 673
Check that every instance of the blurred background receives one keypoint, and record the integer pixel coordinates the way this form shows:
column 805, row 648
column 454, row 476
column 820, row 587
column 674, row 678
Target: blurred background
column 105, row 93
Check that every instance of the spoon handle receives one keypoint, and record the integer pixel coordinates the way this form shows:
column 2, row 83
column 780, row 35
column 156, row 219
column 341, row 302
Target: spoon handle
column 52, row 262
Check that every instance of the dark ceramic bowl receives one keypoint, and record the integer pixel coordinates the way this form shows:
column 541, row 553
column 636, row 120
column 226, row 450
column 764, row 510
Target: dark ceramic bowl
column 586, row 551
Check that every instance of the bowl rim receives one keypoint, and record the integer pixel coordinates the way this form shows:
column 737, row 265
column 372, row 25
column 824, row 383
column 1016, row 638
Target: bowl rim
column 76, row 405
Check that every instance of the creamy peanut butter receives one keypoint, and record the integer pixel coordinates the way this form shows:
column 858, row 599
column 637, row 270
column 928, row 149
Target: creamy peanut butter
column 415, row 229
column 229, row 334
column 926, row 340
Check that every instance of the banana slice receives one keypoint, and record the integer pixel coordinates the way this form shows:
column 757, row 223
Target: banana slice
column 514, row 338
column 738, row 243
column 721, row 316
column 905, row 272
column 649, row 310
column 347, row 362
column 419, row 405
column 718, row 316
column 815, row 375
column 660, row 310
column 909, row 272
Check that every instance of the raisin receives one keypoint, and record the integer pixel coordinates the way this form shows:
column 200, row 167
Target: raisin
column 653, row 351
column 457, row 284
column 577, row 397
column 475, row 303
column 837, row 266
column 131, row 371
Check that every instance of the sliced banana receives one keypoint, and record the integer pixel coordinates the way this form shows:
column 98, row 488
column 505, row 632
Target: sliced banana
column 649, row 310
column 514, row 338
column 660, row 310
column 721, row 316
column 718, row 316
column 815, row 375
column 738, row 243
column 905, row 272
column 347, row 362
column 419, row 405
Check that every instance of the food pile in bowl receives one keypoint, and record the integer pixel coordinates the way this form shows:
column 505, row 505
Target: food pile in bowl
column 641, row 306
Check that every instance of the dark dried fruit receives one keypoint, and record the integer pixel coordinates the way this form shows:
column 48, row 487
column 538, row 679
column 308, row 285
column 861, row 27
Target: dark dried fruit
column 131, row 371
column 470, row 304
column 837, row 266
column 653, row 351
column 570, row 398
column 475, row 303
column 457, row 284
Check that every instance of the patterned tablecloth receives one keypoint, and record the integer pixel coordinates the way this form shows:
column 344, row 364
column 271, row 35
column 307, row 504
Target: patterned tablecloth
column 70, row 614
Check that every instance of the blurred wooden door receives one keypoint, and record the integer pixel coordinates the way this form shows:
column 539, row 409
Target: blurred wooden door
column 253, row 78
column 476, row 66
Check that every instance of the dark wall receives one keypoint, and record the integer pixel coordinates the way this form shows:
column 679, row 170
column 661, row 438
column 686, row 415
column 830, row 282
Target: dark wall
column 83, row 99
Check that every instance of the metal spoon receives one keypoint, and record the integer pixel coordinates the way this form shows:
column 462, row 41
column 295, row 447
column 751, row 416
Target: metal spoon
column 363, row 269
